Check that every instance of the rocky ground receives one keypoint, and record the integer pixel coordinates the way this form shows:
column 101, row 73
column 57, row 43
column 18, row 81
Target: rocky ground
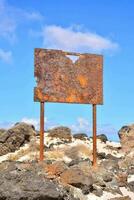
column 66, row 172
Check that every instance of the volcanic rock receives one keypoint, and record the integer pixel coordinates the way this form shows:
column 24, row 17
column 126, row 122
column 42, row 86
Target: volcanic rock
column 63, row 133
column 102, row 137
column 26, row 184
column 80, row 136
column 12, row 139
column 28, row 181
column 126, row 135
column 76, row 177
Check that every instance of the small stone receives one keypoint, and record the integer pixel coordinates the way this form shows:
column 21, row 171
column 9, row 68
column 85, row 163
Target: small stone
column 86, row 189
column 101, row 155
column 131, row 186
column 107, row 177
column 97, row 190
column 122, row 179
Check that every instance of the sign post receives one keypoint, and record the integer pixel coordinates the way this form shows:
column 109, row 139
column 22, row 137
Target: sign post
column 94, row 136
column 41, row 131
column 61, row 80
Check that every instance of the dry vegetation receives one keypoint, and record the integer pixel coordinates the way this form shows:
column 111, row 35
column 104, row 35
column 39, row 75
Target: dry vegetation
column 31, row 150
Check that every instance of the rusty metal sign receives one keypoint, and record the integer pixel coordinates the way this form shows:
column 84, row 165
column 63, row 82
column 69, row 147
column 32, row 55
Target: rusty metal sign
column 59, row 79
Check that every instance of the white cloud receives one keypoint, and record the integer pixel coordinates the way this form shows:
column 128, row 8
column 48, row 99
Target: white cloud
column 82, row 125
column 5, row 56
column 71, row 39
column 34, row 122
column 11, row 17
column 109, row 130
column 49, row 124
column 6, row 124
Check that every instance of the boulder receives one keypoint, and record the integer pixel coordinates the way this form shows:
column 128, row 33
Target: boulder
column 76, row 177
column 80, row 136
column 101, row 176
column 28, row 181
column 27, row 185
column 102, row 137
column 12, row 139
column 126, row 135
column 61, row 132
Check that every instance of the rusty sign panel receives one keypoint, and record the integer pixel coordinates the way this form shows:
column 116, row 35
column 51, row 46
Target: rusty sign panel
column 59, row 79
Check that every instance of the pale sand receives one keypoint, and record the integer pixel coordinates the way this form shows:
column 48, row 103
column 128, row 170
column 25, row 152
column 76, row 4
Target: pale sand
column 106, row 195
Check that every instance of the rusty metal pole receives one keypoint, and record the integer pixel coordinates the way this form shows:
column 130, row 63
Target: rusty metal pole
column 41, row 131
column 94, row 137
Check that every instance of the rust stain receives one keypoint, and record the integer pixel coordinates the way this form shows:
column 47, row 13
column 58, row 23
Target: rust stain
column 39, row 94
column 82, row 80
column 71, row 98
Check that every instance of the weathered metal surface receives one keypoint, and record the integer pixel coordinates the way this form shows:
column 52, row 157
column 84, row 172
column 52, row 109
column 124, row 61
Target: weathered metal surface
column 61, row 80
column 94, row 136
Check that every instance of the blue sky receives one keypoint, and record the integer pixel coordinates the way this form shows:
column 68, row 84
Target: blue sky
column 105, row 27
